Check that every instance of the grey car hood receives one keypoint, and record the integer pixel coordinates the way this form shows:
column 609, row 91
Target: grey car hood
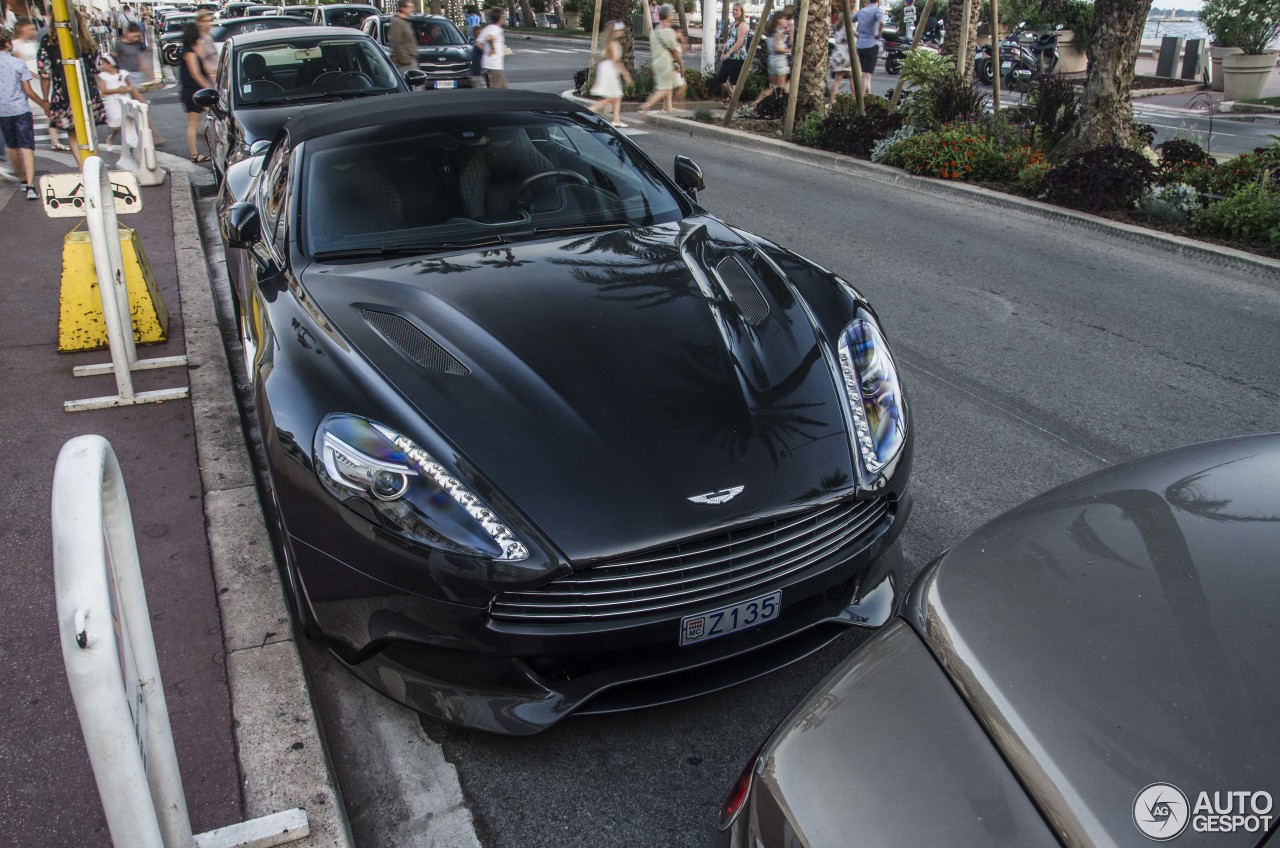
column 1124, row 630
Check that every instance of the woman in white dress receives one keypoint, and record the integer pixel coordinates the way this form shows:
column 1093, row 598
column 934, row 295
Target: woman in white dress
column 610, row 74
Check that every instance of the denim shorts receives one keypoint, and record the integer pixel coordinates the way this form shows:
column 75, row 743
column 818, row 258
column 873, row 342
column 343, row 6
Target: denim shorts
column 19, row 131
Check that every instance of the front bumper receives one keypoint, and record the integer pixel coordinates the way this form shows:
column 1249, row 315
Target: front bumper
column 456, row 663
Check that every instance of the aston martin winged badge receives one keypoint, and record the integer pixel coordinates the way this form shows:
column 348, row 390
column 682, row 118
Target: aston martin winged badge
column 718, row 497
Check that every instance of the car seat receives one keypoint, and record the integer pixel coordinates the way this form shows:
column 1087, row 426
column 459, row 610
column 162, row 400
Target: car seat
column 490, row 180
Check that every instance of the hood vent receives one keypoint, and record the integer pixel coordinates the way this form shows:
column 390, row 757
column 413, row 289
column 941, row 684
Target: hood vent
column 741, row 287
column 413, row 343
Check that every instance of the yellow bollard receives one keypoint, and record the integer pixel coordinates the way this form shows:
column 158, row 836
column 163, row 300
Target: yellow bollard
column 80, row 322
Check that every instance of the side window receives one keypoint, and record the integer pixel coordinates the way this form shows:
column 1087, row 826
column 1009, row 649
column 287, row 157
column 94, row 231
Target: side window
column 222, row 83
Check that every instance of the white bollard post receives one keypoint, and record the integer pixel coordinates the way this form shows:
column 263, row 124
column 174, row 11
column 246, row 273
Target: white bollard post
column 102, row 620
column 110, row 656
column 138, row 146
column 108, row 263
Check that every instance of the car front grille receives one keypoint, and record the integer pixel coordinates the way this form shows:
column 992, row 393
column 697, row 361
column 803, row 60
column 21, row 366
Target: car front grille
column 435, row 69
column 698, row 571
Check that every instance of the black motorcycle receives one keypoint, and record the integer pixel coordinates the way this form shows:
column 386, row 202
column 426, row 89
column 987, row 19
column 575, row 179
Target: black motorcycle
column 1024, row 55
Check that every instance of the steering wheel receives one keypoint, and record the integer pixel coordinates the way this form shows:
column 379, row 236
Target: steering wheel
column 557, row 172
column 361, row 79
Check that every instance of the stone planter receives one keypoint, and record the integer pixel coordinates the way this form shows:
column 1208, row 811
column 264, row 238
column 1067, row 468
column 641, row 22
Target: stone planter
column 571, row 20
column 1071, row 60
column 1215, row 64
column 1243, row 76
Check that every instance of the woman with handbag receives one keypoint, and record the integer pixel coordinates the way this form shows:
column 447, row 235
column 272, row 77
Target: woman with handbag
column 667, row 63
column 735, row 53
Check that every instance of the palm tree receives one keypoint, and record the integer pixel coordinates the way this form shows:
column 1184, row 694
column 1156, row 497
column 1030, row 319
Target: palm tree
column 951, row 41
column 813, row 65
column 621, row 10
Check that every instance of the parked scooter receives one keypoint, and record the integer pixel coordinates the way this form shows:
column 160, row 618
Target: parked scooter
column 1024, row 55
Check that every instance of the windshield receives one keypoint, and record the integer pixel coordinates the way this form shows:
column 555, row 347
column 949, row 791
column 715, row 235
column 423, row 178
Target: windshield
column 437, row 32
column 455, row 182
column 311, row 69
column 351, row 18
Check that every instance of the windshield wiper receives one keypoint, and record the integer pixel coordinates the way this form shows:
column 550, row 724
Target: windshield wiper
column 407, row 249
column 574, row 228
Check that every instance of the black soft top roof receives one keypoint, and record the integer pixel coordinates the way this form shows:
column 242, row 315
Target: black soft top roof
column 329, row 118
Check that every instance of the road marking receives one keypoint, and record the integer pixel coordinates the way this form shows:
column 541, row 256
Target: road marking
column 559, row 50
column 527, row 50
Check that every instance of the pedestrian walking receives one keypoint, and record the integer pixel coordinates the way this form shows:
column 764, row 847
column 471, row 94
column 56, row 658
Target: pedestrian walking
column 192, row 77
column 401, row 38
column 53, row 81
column 869, row 24
column 610, row 74
column 128, row 54
column 838, row 59
column 777, row 32
column 665, row 60
column 493, row 42
column 115, row 87
column 474, row 21
column 734, row 55
column 17, row 124
column 477, row 59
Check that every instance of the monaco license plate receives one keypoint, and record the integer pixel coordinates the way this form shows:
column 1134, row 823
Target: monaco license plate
column 721, row 622
column 446, row 83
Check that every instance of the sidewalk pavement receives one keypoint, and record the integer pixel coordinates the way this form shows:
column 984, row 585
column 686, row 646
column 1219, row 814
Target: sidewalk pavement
column 1193, row 102
column 247, row 745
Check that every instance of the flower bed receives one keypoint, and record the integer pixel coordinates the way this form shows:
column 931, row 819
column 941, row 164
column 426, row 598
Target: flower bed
column 942, row 131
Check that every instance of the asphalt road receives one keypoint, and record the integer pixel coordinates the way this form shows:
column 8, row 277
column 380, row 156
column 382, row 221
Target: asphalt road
column 1033, row 352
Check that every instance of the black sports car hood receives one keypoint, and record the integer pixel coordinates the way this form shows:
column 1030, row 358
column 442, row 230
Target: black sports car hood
column 612, row 377
column 1122, row 631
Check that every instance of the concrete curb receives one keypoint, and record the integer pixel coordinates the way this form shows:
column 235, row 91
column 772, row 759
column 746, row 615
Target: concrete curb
column 283, row 762
column 1213, row 254
column 1172, row 89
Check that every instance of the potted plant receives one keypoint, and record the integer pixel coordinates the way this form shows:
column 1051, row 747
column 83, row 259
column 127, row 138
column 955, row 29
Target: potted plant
column 1243, row 31
column 1076, row 17
column 570, row 8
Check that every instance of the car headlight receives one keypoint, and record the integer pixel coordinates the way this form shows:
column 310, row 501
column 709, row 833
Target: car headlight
column 875, row 394
column 410, row 492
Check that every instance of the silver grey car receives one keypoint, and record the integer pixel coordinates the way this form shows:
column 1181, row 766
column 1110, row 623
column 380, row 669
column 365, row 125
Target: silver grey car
column 1099, row 666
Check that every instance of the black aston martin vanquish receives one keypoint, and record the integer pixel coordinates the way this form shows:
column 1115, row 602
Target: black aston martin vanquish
column 543, row 435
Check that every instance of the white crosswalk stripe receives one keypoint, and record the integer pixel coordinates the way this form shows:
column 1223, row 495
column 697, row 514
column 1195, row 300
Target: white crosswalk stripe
column 527, row 50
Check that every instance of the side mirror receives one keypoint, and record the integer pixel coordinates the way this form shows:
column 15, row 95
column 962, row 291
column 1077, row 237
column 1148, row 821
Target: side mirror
column 414, row 77
column 689, row 176
column 206, row 97
column 243, row 227
column 259, row 147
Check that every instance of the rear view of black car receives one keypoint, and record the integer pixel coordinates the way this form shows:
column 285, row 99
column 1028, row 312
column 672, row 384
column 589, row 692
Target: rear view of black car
column 544, row 436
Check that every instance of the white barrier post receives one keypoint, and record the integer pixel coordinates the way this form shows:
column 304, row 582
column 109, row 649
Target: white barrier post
column 137, row 144
column 110, row 655
column 108, row 263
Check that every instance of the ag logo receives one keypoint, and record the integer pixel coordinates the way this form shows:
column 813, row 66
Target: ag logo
column 1160, row 811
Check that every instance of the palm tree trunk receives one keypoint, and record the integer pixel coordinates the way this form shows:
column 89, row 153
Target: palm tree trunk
column 1106, row 108
column 951, row 41
column 620, row 10
column 529, row 19
column 813, row 65
column 684, row 20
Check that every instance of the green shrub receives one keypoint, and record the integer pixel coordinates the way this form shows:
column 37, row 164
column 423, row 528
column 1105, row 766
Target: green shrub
column 1261, row 167
column 697, row 85
column 1105, row 178
column 703, row 114
column 1031, row 178
column 880, row 150
column 641, row 84
column 806, row 129
column 950, row 153
column 773, row 107
column 1172, row 204
column 1003, row 163
column 1180, row 157
column 756, row 83
column 1053, row 107
column 1251, row 214
column 855, row 135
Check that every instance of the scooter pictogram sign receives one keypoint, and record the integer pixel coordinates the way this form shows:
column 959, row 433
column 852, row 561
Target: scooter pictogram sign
column 63, row 194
